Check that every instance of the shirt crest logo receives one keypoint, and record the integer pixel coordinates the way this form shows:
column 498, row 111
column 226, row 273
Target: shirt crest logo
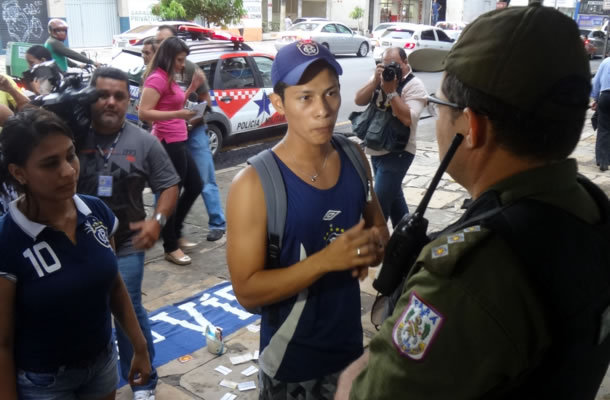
column 416, row 328
column 309, row 49
column 98, row 230
column 330, row 215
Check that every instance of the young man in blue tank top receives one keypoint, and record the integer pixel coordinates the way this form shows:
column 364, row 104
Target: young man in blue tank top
column 311, row 327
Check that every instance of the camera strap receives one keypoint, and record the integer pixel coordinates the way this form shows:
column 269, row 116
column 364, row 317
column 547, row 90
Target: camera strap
column 401, row 85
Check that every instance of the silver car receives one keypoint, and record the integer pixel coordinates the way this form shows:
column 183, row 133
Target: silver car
column 337, row 37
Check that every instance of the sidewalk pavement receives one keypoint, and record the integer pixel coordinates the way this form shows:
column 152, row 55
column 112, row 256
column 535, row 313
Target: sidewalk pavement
column 166, row 283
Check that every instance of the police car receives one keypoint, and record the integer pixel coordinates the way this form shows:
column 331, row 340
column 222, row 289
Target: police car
column 240, row 85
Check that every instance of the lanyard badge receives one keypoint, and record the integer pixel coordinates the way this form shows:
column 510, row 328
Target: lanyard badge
column 104, row 182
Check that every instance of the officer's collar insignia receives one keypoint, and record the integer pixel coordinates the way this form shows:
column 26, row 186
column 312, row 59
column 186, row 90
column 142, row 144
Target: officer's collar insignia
column 476, row 228
column 416, row 328
column 440, row 251
column 455, row 238
column 308, row 48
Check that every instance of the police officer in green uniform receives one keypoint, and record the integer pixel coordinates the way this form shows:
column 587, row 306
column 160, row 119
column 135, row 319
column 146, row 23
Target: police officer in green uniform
column 512, row 301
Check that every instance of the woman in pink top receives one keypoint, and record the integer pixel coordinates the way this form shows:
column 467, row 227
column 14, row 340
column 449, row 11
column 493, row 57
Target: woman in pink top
column 162, row 103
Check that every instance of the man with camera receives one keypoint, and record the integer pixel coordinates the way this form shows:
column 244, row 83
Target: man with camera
column 118, row 160
column 63, row 56
column 394, row 89
column 512, row 300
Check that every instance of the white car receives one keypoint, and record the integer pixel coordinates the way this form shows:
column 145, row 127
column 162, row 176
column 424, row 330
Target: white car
column 412, row 37
column 452, row 29
column 337, row 37
column 137, row 35
column 378, row 31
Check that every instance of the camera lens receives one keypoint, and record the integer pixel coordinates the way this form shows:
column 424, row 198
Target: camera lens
column 388, row 74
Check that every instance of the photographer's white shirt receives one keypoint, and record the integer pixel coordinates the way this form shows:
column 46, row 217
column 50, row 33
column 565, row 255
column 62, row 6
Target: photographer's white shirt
column 414, row 94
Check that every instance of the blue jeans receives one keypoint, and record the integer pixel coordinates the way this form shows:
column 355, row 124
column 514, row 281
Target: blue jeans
column 199, row 145
column 390, row 170
column 131, row 268
column 95, row 381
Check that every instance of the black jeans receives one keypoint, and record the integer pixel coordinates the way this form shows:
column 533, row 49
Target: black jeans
column 190, row 185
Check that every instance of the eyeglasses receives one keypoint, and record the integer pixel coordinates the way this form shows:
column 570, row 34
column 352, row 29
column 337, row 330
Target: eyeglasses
column 434, row 102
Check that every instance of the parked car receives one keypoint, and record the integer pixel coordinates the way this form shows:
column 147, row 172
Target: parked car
column 452, row 29
column 240, row 85
column 338, row 38
column 594, row 41
column 186, row 30
column 412, row 37
column 308, row 19
column 135, row 36
column 378, row 31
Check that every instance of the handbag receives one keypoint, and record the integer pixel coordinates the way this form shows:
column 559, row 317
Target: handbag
column 379, row 129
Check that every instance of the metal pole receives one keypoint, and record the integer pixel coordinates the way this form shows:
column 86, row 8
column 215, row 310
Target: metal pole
column 605, row 53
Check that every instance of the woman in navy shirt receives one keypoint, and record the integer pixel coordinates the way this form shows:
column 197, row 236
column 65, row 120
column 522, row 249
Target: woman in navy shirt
column 58, row 273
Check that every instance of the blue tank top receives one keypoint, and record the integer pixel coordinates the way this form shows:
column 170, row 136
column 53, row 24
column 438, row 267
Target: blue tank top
column 317, row 332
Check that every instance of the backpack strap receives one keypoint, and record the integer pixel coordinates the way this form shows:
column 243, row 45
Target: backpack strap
column 350, row 149
column 275, row 200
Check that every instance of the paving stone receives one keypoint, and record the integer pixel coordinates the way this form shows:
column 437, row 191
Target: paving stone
column 419, row 182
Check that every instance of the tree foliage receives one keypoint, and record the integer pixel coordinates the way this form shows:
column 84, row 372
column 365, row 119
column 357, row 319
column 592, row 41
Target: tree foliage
column 357, row 13
column 217, row 12
column 169, row 10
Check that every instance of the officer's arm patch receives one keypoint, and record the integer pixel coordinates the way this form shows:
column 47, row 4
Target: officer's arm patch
column 441, row 255
column 416, row 328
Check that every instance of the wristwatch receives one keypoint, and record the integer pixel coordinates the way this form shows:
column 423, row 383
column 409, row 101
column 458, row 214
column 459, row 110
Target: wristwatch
column 390, row 96
column 161, row 219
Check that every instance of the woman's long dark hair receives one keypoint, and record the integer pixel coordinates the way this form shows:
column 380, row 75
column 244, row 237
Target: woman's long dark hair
column 165, row 56
column 20, row 136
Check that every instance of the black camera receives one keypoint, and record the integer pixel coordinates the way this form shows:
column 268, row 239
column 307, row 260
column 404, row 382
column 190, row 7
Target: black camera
column 70, row 98
column 391, row 71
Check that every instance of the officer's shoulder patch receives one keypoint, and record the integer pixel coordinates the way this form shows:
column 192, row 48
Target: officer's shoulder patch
column 441, row 255
column 416, row 328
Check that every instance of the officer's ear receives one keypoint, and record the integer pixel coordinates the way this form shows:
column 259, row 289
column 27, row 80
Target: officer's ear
column 277, row 102
column 478, row 133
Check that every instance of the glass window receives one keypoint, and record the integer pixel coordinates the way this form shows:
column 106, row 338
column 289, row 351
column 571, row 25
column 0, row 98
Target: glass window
column 427, row 35
column 264, row 66
column 398, row 34
column 235, row 73
column 304, row 26
column 343, row 29
column 330, row 28
column 381, row 26
column 209, row 69
column 442, row 36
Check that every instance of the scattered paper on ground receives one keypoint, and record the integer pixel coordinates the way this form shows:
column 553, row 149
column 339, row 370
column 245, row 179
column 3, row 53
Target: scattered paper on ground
column 185, row 358
column 228, row 384
column 254, row 328
column 242, row 358
column 228, row 396
column 223, row 370
column 246, row 386
column 249, row 371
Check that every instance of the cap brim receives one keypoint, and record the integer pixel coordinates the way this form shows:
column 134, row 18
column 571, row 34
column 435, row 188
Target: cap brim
column 294, row 76
column 428, row 60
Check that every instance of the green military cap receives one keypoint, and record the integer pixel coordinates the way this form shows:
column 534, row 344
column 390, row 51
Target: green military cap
column 531, row 58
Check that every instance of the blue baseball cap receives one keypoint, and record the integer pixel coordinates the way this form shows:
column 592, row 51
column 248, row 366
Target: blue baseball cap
column 293, row 59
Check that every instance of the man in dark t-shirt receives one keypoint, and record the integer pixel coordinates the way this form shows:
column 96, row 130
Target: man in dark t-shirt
column 117, row 160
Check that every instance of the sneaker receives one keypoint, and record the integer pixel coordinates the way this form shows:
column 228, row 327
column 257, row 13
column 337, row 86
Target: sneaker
column 215, row 234
column 144, row 395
